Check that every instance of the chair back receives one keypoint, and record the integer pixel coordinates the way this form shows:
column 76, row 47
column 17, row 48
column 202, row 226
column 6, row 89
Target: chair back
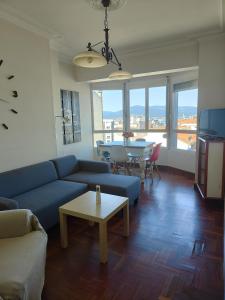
column 140, row 140
column 155, row 153
column 99, row 142
column 118, row 153
column 148, row 151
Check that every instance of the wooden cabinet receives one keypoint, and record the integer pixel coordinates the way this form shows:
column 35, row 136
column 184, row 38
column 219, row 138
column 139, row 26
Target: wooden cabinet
column 211, row 168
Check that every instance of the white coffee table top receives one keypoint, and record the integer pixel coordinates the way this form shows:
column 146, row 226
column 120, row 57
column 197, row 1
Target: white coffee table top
column 85, row 206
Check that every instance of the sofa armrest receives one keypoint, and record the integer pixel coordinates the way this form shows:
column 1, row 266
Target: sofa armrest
column 94, row 166
column 7, row 204
column 14, row 223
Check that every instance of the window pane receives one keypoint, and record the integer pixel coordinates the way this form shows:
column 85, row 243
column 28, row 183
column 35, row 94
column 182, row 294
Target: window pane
column 157, row 137
column 186, row 141
column 108, row 110
column 187, row 102
column 157, row 107
column 137, row 109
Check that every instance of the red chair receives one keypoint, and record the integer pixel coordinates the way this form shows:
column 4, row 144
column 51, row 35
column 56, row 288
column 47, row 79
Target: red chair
column 150, row 163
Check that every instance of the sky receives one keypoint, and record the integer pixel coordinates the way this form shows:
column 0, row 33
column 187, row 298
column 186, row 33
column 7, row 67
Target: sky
column 157, row 96
column 188, row 98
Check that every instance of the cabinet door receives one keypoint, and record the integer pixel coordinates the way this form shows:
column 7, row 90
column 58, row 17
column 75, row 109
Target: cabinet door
column 215, row 170
column 202, row 167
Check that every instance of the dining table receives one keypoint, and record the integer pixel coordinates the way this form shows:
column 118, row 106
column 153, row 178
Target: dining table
column 140, row 150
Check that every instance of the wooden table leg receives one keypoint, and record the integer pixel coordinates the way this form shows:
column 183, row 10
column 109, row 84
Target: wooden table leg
column 103, row 242
column 63, row 229
column 126, row 219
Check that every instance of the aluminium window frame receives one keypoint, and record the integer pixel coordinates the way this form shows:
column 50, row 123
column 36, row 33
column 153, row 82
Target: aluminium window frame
column 147, row 101
column 92, row 111
column 190, row 85
column 170, row 130
column 126, row 111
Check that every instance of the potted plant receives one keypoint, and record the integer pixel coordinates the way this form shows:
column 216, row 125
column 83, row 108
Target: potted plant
column 127, row 135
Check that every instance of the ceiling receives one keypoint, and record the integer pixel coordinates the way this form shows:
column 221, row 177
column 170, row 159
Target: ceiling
column 137, row 25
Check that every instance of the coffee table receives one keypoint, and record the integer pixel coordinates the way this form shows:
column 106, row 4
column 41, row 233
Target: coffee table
column 85, row 207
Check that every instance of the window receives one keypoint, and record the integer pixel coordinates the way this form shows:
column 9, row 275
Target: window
column 108, row 110
column 157, row 108
column 157, row 137
column 185, row 115
column 108, row 115
column 148, row 104
column 108, row 137
column 145, row 110
column 186, row 141
column 137, row 109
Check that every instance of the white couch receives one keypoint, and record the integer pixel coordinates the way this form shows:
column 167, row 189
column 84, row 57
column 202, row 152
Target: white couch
column 22, row 255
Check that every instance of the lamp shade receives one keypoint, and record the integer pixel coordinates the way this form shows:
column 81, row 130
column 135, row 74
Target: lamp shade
column 89, row 59
column 120, row 75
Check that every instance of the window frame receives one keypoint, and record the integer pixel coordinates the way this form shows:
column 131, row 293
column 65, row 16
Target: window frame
column 92, row 112
column 186, row 85
column 166, row 129
column 147, row 129
column 170, row 130
column 128, row 111
column 147, row 101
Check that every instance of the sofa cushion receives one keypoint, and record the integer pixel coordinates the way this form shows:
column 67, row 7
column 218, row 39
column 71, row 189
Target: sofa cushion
column 45, row 200
column 66, row 165
column 94, row 166
column 24, row 179
column 121, row 185
column 22, row 265
column 16, row 222
column 7, row 204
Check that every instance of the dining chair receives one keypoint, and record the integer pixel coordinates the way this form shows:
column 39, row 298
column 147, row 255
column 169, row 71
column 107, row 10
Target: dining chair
column 99, row 142
column 104, row 154
column 134, row 157
column 150, row 162
column 119, row 158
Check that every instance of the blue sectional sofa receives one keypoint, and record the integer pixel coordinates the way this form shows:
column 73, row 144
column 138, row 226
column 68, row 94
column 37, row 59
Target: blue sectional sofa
column 45, row 186
column 38, row 188
column 69, row 168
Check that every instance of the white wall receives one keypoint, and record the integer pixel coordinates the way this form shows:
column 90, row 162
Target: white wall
column 30, row 137
column 181, row 159
column 35, row 134
column 165, row 59
column 207, row 53
column 39, row 77
column 212, row 72
column 63, row 78
column 211, row 75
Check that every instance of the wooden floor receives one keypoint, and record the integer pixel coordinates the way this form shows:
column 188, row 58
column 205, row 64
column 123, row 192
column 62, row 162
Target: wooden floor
column 156, row 261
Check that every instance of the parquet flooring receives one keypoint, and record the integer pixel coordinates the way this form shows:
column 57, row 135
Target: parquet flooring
column 157, row 261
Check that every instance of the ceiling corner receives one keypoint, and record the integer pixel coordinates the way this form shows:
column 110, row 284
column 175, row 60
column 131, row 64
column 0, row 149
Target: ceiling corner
column 23, row 21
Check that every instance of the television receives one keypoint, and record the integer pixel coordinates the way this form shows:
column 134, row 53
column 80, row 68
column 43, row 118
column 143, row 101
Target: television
column 212, row 123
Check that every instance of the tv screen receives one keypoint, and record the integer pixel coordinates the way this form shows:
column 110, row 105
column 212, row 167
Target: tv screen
column 212, row 123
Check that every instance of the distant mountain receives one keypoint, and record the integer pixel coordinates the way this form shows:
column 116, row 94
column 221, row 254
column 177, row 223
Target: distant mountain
column 154, row 111
column 112, row 114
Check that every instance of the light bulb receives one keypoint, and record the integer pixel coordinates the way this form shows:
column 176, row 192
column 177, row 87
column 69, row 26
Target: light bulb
column 90, row 60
